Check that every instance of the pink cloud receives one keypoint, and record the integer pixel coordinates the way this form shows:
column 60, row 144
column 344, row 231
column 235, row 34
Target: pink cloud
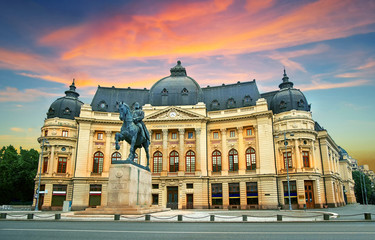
column 10, row 94
column 325, row 85
column 212, row 27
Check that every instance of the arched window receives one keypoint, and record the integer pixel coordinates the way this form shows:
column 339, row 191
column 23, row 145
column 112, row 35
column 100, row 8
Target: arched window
column 173, row 161
column 116, row 156
column 158, row 162
column 233, row 160
column 98, row 162
column 250, row 159
column 135, row 158
column 190, row 161
column 216, row 161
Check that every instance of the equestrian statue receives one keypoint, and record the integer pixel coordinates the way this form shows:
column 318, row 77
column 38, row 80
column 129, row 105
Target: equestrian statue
column 133, row 130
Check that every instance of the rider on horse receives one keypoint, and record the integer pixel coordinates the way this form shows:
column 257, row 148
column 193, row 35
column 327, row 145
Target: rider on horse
column 138, row 116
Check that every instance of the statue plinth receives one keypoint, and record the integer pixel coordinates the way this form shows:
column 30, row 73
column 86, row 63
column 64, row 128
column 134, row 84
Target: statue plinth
column 129, row 186
column 128, row 192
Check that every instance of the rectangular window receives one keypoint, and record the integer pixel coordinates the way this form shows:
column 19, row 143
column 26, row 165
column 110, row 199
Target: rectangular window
column 216, row 135
column 100, row 136
column 64, row 133
column 155, row 186
column 155, row 199
column 306, row 160
column 293, row 192
column 190, row 135
column 95, row 195
column 45, row 164
column 249, row 132
column 217, row 194
column 232, row 133
column 157, row 136
column 289, row 159
column 234, row 194
column 58, row 195
column 61, row 166
column 252, row 193
column 174, row 135
column 189, row 185
column 46, row 133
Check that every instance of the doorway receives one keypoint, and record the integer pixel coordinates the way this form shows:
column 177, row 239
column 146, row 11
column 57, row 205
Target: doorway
column 189, row 201
column 172, row 193
column 309, row 194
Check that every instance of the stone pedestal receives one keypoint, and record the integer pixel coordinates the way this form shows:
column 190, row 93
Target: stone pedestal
column 129, row 186
column 129, row 191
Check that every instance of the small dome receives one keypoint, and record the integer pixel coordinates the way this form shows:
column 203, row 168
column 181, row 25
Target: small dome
column 67, row 107
column 176, row 89
column 288, row 98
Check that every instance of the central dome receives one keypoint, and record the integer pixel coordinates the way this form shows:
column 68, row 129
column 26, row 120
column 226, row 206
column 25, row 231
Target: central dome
column 176, row 89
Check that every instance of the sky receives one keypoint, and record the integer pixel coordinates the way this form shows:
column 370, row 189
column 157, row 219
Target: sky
column 327, row 48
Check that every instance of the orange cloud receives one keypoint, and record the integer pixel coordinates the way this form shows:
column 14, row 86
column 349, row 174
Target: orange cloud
column 255, row 6
column 212, row 27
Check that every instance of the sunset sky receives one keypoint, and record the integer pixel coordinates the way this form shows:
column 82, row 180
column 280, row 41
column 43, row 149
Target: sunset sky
column 327, row 48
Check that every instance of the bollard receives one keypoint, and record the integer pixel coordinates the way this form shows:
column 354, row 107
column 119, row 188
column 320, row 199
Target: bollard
column 179, row 218
column 279, row 217
column 3, row 215
column 244, row 218
column 212, row 218
column 57, row 216
column 117, row 217
column 30, row 216
column 147, row 217
column 367, row 216
column 326, row 216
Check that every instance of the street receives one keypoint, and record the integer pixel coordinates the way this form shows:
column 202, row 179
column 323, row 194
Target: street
column 125, row 230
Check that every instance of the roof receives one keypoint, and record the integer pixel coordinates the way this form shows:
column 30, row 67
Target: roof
column 106, row 98
column 231, row 96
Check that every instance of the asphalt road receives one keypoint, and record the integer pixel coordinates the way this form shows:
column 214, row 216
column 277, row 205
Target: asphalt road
column 124, row 230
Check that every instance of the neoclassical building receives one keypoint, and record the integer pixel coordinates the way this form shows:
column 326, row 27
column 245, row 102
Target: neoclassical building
column 225, row 146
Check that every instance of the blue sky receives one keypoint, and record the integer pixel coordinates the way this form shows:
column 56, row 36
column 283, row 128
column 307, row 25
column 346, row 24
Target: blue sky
column 327, row 48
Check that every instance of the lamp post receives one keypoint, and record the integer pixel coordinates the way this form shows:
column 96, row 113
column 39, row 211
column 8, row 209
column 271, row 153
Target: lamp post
column 287, row 168
column 44, row 141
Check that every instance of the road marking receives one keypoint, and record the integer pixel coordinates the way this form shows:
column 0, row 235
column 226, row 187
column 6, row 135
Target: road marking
column 175, row 232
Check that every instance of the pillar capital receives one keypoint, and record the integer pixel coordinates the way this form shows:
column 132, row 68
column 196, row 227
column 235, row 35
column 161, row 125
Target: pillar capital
column 181, row 130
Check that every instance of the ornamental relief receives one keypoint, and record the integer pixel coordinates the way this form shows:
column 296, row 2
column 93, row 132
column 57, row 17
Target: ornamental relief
column 173, row 113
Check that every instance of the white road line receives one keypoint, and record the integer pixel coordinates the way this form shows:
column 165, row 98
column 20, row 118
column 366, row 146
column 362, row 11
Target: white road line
column 174, row 232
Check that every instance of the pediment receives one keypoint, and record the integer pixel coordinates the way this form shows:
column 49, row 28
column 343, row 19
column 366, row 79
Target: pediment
column 174, row 114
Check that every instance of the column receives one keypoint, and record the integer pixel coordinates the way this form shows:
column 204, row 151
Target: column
column 90, row 156
column 312, row 154
column 108, row 154
column 298, row 153
column 241, row 152
column 198, row 150
column 51, row 163
column 181, row 154
column 224, row 153
column 165, row 153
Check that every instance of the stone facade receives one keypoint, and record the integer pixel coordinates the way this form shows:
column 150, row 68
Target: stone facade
column 233, row 158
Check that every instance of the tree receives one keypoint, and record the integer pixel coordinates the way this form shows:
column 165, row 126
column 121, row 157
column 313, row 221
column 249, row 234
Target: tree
column 358, row 188
column 17, row 173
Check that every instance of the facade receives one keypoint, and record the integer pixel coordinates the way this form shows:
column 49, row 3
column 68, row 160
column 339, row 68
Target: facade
column 225, row 146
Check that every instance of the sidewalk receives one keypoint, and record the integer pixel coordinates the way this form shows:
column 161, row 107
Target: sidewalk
column 354, row 212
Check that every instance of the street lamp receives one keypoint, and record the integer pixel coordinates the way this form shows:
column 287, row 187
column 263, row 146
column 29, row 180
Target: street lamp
column 44, row 141
column 287, row 166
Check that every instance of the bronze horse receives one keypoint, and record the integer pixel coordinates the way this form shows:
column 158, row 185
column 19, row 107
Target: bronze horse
column 131, row 133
